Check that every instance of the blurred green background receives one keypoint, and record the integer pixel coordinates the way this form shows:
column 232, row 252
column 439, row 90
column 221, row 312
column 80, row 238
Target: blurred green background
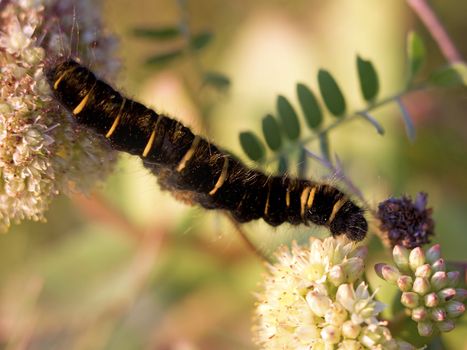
column 129, row 267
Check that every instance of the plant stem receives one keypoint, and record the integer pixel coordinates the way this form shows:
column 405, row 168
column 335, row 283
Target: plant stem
column 436, row 29
column 344, row 119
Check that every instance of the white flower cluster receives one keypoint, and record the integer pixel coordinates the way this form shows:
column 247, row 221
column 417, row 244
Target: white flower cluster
column 310, row 301
column 41, row 152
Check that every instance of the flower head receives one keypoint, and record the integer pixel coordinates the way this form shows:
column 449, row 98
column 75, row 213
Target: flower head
column 406, row 223
column 41, row 151
column 304, row 306
column 428, row 291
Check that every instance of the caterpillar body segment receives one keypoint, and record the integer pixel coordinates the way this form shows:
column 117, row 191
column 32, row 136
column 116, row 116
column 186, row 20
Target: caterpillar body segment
column 188, row 164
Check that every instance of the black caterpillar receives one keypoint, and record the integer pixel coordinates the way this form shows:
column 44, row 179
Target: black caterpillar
column 195, row 169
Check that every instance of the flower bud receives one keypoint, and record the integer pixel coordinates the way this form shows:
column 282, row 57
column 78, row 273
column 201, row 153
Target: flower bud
column 461, row 294
column 336, row 314
column 446, row 294
column 455, row 308
column 421, row 286
column 438, row 314
column 379, row 269
column 318, row 303
column 353, row 269
column 425, row 328
column 419, row 314
column 359, row 252
column 365, row 309
column 336, row 275
column 331, row 334
column 410, row 299
column 373, row 335
column 433, row 254
column 446, row 326
column 439, row 280
column 439, row 265
column 424, row 271
column 405, row 283
column 453, row 278
column 431, row 300
column 400, row 255
column 387, row 272
column 350, row 330
column 416, row 258
column 345, row 295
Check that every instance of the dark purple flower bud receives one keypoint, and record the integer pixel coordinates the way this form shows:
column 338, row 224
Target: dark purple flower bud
column 405, row 222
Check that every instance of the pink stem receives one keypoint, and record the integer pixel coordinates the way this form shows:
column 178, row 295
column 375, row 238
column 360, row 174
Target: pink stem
column 434, row 26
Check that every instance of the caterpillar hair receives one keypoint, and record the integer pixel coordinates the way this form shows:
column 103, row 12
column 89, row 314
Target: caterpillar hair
column 195, row 169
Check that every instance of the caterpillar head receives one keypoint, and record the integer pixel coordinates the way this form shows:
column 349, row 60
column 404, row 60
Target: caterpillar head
column 350, row 221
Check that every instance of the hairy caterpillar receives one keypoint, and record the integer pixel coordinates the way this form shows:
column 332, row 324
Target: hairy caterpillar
column 190, row 166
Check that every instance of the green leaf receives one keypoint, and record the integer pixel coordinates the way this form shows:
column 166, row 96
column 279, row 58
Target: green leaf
column 161, row 33
column 201, row 40
column 164, row 58
column 416, row 54
column 283, row 166
column 288, row 117
column 271, row 132
column 331, row 93
column 452, row 75
column 368, row 77
column 409, row 127
column 218, row 80
column 252, row 146
column 310, row 106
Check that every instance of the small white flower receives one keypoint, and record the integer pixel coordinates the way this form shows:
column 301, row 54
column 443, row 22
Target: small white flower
column 359, row 303
column 318, row 303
